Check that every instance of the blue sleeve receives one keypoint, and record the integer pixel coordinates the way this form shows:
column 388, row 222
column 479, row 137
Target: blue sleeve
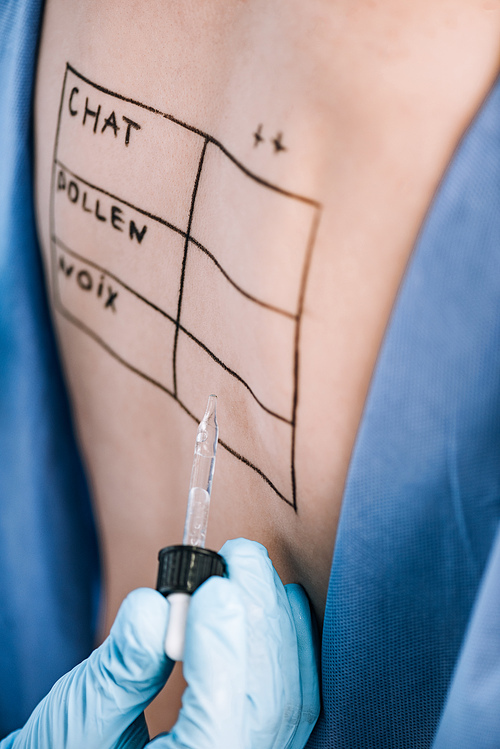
column 48, row 550
column 471, row 716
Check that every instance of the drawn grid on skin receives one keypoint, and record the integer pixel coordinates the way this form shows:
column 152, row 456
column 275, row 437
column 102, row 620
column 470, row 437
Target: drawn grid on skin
column 184, row 234
column 176, row 322
column 184, row 261
column 296, row 318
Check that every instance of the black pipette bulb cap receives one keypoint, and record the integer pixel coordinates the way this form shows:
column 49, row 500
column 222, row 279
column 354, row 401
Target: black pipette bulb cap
column 182, row 569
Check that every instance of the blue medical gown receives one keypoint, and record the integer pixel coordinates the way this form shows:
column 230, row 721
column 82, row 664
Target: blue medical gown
column 412, row 630
column 48, row 551
column 411, row 640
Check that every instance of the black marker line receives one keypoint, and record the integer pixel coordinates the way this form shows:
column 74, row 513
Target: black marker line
column 239, row 456
column 257, row 470
column 234, row 374
column 81, row 325
column 182, row 233
column 128, row 100
column 88, row 331
column 244, row 293
column 115, row 278
column 52, row 208
column 197, row 131
column 259, row 180
column 152, row 216
column 173, row 320
column 305, row 273
column 184, row 262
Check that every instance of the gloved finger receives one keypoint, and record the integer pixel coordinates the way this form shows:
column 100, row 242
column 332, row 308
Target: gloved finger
column 298, row 702
column 307, row 650
column 96, row 702
column 289, row 668
column 215, row 668
column 273, row 688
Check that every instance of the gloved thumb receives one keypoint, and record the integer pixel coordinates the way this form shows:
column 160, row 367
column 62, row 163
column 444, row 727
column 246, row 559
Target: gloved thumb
column 131, row 663
column 213, row 705
column 96, row 703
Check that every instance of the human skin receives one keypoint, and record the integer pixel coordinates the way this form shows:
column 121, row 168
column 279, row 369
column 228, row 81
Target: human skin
column 371, row 99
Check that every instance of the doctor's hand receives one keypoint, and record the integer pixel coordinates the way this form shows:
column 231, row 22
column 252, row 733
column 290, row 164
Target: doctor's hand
column 250, row 665
column 249, row 661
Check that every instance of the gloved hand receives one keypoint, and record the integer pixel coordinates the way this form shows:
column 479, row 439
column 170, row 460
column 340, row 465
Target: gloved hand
column 249, row 661
column 99, row 704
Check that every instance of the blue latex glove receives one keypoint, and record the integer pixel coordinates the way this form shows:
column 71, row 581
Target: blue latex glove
column 249, row 661
column 250, row 664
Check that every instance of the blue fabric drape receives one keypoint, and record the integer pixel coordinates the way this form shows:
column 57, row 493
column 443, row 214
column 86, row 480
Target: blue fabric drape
column 422, row 500
column 48, row 551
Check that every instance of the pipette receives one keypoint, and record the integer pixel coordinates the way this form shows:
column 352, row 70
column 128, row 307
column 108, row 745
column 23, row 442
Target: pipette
column 202, row 473
column 184, row 568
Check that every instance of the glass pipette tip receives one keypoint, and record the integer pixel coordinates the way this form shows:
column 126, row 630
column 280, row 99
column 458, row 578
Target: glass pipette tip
column 202, row 473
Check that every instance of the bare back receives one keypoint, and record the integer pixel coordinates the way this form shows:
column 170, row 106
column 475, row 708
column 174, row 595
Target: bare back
column 228, row 195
